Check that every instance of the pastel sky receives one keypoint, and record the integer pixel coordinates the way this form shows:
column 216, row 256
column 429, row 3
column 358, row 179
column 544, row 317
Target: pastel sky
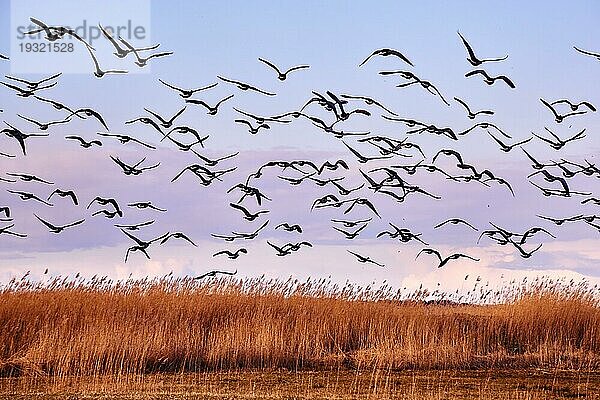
column 213, row 38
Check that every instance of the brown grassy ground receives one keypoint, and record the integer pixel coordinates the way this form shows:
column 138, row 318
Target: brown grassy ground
column 363, row 339
column 335, row 384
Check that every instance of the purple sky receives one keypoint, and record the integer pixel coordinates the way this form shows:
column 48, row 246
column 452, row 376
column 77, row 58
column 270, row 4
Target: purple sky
column 539, row 65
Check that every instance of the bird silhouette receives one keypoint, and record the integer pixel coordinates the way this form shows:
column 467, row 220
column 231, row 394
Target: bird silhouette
column 88, row 112
column 506, row 148
column 214, row 273
column 455, row 221
column 364, row 259
column 245, row 86
column 62, row 193
column 142, row 61
column 82, row 142
column 33, row 84
column 369, row 101
column 134, row 227
column 178, row 235
column 588, row 53
column 19, row 136
column 212, row 110
column 252, row 129
column 124, row 139
column 141, row 245
column 350, row 235
column 29, row 178
column 165, row 123
column 142, row 205
column 99, row 72
column 119, row 51
column 290, row 228
column 248, row 216
column 559, row 143
column 490, row 80
column 560, row 117
column 25, row 196
column 350, row 224
column 444, row 261
column 231, row 255
column 187, row 93
column 472, row 58
column 470, row 114
column 385, row 52
column 282, row 76
column 58, row 229
column 27, row 92
column 575, row 106
column 5, row 230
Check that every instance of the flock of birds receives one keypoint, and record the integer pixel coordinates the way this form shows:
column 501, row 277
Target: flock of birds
column 384, row 180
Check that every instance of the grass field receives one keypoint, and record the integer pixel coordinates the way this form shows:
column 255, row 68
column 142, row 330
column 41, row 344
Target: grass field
column 259, row 338
column 333, row 384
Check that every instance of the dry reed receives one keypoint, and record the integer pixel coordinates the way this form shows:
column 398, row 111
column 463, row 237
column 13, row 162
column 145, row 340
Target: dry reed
column 99, row 327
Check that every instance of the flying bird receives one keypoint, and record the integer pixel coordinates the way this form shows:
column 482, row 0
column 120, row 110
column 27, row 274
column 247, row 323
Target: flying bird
column 212, row 110
column 248, row 216
column 560, row 117
column 178, row 235
column 29, row 178
column 282, row 75
column 350, row 224
column 99, row 72
column 33, row 84
column 350, row 235
column 575, row 106
column 88, row 112
column 62, row 193
column 506, row 148
column 141, row 245
column 124, row 139
column 58, row 229
column 231, row 255
column 369, row 101
column 470, row 114
column 245, row 86
column 559, row 143
column 490, row 80
column 252, row 129
column 27, row 92
column 134, row 227
column 290, row 228
column 19, row 136
column 387, row 53
column 215, row 273
column 5, row 230
column 142, row 61
column 187, row 93
column 104, row 202
column 82, row 142
column 165, row 123
column 364, row 259
column 472, row 58
column 142, row 205
column 455, row 221
column 119, row 51
column 588, row 53
column 444, row 261
column 25, row 196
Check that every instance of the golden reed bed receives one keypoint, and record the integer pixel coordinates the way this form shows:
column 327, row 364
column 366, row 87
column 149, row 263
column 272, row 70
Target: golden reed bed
column 98, row 327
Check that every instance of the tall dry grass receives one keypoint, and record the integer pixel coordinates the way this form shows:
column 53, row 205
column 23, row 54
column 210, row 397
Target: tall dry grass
column 102, row 327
